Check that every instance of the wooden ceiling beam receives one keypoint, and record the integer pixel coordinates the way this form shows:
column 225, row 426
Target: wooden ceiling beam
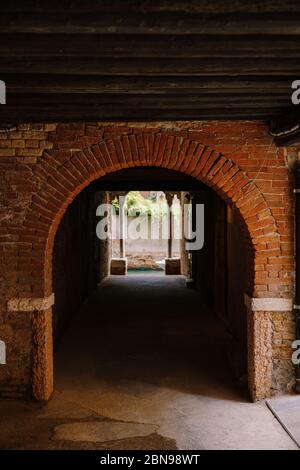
column 148, row 101
column 117, row 113
column 47, row 83
column 146, row 6
column 148, row 67
column 180, row 23
column 147, row 60
column 38, row 46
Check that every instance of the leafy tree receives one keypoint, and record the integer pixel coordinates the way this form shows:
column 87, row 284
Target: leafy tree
column 137, row 204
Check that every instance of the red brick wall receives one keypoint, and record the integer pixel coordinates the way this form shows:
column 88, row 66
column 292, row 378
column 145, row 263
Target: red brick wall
column 43, row 167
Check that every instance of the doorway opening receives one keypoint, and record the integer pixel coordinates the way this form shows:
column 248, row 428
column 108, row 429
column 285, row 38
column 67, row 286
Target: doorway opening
column 151, row 232
column 123, row 335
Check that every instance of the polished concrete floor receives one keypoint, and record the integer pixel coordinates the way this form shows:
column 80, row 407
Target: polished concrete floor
column 142, row 367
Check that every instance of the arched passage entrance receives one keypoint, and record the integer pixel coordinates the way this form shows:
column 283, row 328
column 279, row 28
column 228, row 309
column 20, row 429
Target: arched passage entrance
column 62, row 173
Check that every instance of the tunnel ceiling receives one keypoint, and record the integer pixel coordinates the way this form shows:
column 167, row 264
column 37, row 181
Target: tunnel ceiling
column 148, row 178
column 147, row 60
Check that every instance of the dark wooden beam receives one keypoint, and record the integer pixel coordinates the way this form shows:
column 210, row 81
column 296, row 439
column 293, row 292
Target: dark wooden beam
column 146, row 6
column 46, row 83
column 114, row 113
column 146, row 60
column 150, row 7
column 38, row 46
column 208, row 100
column 162, row 22
column 148, row 67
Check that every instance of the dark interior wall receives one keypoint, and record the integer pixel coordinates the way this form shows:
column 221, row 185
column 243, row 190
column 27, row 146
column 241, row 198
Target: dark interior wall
column 220, row 272
column 220, row 302
column 237, row 285
column 76, row 259
column 203, row 261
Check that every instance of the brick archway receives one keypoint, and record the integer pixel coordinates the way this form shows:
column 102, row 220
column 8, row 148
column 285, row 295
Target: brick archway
column 65, row 171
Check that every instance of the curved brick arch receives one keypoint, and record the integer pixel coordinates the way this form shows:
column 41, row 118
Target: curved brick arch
column 62, row 174
column 60, row 182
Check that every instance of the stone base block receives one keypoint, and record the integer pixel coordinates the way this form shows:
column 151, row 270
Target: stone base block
column 118, row 266
column 173, row 266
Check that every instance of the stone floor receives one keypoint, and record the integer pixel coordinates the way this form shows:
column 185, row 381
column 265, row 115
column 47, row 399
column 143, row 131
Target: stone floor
column 142, row 367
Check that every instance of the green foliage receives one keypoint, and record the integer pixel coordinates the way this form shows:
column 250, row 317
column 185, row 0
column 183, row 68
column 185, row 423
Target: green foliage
column 137, row 205
column 115, row 204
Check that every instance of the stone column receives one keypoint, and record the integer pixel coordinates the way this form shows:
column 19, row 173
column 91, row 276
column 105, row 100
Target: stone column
column 172, row 264
column 121, row 223
column 183, row 251
column 169, row 198
column 262, row 316
column 118, row 266
column 42, row 374
column 189, row 282
column 42, row 355
column 259, row 328
column 106, row 245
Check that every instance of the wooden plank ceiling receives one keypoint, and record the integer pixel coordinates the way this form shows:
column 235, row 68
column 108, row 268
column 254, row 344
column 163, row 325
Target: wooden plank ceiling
column 149, row 60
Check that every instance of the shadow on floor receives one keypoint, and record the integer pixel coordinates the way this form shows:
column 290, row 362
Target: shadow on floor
column 142, row 367
column 145, row 331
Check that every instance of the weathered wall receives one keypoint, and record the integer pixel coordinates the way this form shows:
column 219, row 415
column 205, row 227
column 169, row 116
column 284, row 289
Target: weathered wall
column 220, row 273
column 43, row 167
column 283, row 334
column 76, row 259
column 236, row 281
column 203, row 261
